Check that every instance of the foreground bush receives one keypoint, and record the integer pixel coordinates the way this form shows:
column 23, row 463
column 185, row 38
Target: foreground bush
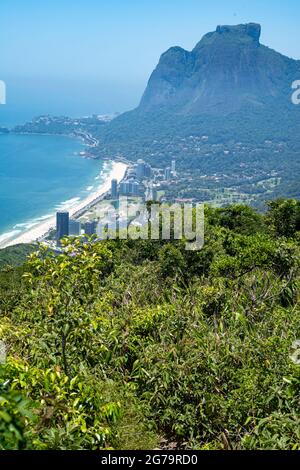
column 133, row 344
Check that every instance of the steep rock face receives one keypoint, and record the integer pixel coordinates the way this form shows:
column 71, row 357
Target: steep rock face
column 226, row 70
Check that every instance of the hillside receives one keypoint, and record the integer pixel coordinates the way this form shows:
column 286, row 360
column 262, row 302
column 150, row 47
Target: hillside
column 143, row 345
column 15, row 255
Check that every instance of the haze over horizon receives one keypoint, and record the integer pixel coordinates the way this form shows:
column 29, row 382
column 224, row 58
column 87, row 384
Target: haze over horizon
column 76, row 59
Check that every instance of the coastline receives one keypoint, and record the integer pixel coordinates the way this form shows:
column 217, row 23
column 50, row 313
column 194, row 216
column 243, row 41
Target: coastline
column 84, row 137
column 39, row 231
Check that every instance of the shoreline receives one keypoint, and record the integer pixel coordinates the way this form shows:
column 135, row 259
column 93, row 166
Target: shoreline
column 85, row 140
column 39, row 231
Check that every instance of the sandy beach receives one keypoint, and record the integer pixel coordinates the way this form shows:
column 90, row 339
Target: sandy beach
column 39, row 231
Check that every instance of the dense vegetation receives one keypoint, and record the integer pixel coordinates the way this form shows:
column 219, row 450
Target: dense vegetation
column 248, row 157
column 15, row 255
column 259, row 145
column 141, row 344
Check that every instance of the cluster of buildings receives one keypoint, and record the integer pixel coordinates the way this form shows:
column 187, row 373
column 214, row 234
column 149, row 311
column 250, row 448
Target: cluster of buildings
column 132, row 185
column 139, row 180
column 128, row 187
column 66, row 227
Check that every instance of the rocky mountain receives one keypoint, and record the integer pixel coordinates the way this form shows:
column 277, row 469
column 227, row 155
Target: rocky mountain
column 227, row 69
column 224, row 112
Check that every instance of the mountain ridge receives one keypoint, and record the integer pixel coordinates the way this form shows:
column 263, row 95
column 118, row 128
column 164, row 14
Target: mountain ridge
column 231, row 91
column 227, row 69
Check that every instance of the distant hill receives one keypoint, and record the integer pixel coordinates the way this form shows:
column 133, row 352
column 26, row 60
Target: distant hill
column 226, row 70
column 227, row 73
column 224, row 112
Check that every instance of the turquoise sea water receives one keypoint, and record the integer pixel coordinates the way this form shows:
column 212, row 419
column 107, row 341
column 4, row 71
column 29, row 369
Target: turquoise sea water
column 39, row 175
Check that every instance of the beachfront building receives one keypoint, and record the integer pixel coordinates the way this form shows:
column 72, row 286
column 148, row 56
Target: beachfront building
column 129, row 188
column 173, row 166
column 62, row 225
column 135, row 188
column 114, row 189
column 74, row 228
column 124, row 188
column 90, row 228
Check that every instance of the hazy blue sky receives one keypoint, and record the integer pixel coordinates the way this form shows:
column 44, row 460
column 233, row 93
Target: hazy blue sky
column 94, row 55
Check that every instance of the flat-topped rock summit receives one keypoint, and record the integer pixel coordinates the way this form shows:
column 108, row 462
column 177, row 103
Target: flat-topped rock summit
column 227, row 69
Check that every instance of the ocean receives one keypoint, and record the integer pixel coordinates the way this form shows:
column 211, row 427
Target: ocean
column 40, row 175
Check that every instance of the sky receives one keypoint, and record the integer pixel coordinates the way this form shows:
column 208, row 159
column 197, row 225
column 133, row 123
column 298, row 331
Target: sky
column 94, row 56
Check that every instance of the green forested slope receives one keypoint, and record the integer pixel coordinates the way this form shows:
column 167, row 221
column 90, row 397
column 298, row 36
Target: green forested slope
column 15, row 255
column 140, row 344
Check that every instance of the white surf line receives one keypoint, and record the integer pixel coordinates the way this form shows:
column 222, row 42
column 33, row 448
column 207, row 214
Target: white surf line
column 40, row 230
